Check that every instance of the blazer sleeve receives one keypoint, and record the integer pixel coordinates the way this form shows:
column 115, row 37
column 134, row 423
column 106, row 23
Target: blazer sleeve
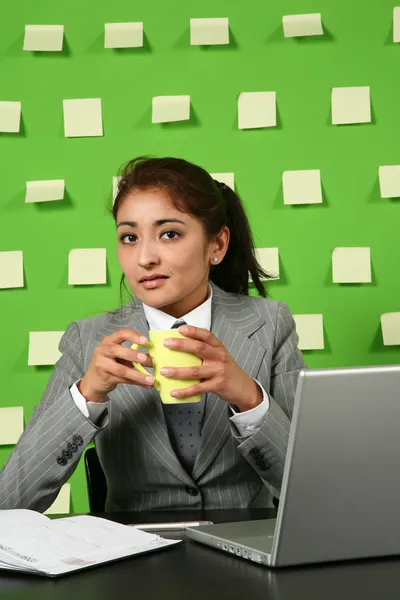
column 266, row 449
column 54, row 439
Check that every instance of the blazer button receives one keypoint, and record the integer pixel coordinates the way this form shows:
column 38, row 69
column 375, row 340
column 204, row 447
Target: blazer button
column 77, row 439
column 191, row 490
column 61, row 460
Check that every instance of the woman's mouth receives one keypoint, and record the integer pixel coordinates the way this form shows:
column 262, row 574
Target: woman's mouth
column 154, row 282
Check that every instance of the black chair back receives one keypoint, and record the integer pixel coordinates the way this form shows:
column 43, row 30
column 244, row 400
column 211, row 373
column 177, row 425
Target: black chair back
column 96, row 481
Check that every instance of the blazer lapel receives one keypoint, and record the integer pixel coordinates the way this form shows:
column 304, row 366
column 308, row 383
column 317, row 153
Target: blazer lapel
column 233, row 322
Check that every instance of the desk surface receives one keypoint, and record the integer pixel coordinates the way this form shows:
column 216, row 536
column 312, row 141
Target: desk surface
column 195, row 572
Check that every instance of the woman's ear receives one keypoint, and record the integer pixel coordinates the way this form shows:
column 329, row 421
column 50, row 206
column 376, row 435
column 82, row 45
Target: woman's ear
column 220, row 246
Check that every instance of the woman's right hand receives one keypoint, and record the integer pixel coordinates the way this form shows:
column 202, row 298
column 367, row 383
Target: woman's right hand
column 111, row 364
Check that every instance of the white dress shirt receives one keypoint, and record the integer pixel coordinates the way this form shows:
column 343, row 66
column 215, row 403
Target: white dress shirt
column 246, row 422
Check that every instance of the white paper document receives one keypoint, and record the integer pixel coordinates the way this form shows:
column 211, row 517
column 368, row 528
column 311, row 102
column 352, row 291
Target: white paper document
column 87, row 266
column 11, row 269
column 302, row 187
column 256, row 110
column 83, row 117
column 167, row 109
column 351, row 265
column 268, row 259
column 45, row 191
column 44, row 38
column 302, row 25
column 123, row 35
column 43, row 347
column 351, row 105
column 390, row 324
column 389, row 181
column 310, row 330
column 227, row 178
column 209, row 32
column 10, row 116
column 33, row 543
column 11, row 424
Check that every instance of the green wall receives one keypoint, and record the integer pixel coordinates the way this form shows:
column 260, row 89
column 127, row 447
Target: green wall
column 357, row 49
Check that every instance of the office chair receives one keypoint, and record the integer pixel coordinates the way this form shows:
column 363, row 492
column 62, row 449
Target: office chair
column 96, row 481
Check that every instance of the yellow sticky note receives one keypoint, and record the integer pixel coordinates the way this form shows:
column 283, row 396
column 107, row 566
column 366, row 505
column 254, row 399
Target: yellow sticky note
column 227, row 178
column 44, row 38
column 83, row 117
column 351, row 105
column 396, row 23
column 209, row 32
column 256, row 109
column 123, row 35
column 302, row 187
column 115, row 184
column 167, row 109
column 302, row 25
column 389, row 181
column 11, row 424
column 87, row 266
column 11, row 269
column 351, row 265
column 310, row 330
column 45, row 191
column 390, row 323
column 61, row 505
column 268, row 258
column 43, row 347
column 10, row 117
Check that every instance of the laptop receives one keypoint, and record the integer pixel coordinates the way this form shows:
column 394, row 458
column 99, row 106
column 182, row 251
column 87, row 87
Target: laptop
column 340, row 496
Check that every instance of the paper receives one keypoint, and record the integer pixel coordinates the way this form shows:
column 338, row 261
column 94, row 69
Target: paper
column 227, row 178
column 83, row 118
column 11, row 269
column 310, row 330
column 11, row 424
column 390, row 323
column 61, row 505
column 115, row 184
column 87, row 266
column 302, row 187
column 351, row 265
column 44, row 38
column 351, row 105
column 209, row 32
column 170, row 108
column 123, row 35
column 389, row 181
column 268, row 258
column 10, row 117
column 301, row 25
column 45, row 191
column 396, row 23
column 257, row 109
column 43, row 347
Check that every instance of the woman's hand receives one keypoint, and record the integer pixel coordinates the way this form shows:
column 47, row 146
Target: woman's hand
column 111, row 364
column 219, row 372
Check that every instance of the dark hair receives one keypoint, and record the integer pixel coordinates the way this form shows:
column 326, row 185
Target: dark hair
column 193, row 190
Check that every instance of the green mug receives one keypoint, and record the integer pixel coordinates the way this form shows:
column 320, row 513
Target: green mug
column 166, row 357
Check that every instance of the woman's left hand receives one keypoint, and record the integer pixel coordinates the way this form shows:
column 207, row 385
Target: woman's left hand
column 219, row 372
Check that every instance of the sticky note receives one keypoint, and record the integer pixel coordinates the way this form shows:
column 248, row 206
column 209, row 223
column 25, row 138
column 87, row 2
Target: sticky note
column 268, row 259
column 302, row 187
column 351, row 265
column 44, row 38
column 83, row 118
column 115, row 184
column 396, row 23
column 43, row 347
column 61, row 504
column 170, row 108
column 11, row 424
column 45, row 191
column 351, row 105
column 389, row 181
column 11, row 269
column 302, row 25
column 390, row 323
column 310, row 330
column 257, row 109
column 123, row 35
column 10, row 117
column 209, row 32
column 227, row 178
column 87, row 266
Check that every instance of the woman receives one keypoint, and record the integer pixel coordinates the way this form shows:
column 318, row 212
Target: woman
column 186, row 251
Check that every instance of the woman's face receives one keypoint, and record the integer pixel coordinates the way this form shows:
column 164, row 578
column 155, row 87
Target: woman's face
column 164, row 253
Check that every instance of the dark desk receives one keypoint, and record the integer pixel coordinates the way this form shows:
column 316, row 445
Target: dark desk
column 194, row 572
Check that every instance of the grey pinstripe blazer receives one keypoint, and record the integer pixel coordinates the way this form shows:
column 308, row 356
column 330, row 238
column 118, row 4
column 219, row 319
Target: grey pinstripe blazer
column 142, row 470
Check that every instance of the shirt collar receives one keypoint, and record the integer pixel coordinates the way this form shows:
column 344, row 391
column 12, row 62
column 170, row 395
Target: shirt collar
column 198, row 317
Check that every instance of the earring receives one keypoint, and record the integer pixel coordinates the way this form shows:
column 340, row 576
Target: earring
column 215, row 259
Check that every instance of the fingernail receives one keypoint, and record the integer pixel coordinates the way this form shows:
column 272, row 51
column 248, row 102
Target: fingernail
column 183, row 329
column 169, row 343
column 174, row 394
column 141, row 357
column 149, row 379
column 165, row 371
column 142, row 340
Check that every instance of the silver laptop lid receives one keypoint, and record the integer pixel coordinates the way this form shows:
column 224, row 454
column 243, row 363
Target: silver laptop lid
column 341, row 487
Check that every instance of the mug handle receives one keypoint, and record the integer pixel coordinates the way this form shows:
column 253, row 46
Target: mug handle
column 138, row 366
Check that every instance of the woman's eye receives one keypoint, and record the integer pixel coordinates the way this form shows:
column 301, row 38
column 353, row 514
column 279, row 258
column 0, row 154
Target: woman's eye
column 128, row 238
column 171, row 235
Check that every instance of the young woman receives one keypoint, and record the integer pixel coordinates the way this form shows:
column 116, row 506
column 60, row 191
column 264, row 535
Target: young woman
column 186, row 252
